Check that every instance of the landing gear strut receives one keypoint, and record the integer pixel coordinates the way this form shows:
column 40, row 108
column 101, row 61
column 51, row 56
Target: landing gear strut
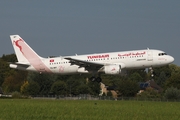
column 152, row 73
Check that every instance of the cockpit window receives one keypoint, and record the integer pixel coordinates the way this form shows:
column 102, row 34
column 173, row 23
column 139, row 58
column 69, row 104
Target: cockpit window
column 161, row 54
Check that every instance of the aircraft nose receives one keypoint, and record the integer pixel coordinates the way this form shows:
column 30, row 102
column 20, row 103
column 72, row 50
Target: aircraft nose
column 171, row 59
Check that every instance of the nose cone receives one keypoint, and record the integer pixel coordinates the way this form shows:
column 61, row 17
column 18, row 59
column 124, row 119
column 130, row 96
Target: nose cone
column 170, row 59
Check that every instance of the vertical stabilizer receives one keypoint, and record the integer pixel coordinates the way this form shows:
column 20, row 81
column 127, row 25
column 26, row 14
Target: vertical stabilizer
column 24, row 53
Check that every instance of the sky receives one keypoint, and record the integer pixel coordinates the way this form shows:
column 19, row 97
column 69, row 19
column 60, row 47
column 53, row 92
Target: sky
column 69, row 27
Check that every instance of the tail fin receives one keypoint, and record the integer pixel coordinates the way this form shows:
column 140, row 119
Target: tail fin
column 24, row 53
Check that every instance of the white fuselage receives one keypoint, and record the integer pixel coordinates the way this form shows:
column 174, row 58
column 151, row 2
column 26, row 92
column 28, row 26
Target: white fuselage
column 128, row 59
column 109, row 63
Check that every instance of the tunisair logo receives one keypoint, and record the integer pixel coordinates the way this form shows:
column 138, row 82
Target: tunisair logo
column 98, row 56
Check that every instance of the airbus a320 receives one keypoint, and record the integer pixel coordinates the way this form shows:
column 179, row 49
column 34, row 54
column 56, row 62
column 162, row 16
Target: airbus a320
column 112, row 63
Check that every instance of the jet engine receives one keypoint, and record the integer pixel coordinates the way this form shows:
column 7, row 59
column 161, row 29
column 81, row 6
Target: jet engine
column 113, row 69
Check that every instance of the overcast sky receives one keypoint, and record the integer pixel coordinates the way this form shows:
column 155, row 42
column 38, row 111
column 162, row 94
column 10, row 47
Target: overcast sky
column 68, row 27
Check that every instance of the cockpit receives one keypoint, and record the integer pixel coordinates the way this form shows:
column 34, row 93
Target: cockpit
column 161, row 54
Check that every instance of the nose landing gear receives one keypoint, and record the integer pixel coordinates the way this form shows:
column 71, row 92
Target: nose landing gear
column 152, row 73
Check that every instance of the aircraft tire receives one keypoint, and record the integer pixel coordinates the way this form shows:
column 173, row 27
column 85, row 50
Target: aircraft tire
column 98, row 79
column 92, row 78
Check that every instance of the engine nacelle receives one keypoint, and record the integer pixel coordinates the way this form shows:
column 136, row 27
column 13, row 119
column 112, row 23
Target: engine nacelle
column 114, row 69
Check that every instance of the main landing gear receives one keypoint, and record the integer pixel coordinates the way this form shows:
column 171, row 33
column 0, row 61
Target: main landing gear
column 95, row 79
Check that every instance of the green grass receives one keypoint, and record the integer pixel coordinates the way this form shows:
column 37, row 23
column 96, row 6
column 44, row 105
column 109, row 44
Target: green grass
column 30, row 109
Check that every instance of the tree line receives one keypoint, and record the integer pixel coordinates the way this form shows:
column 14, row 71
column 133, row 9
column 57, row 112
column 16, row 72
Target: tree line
column 32, row 83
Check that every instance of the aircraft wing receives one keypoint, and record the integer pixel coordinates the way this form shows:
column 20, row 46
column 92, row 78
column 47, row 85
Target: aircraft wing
column 89, row 66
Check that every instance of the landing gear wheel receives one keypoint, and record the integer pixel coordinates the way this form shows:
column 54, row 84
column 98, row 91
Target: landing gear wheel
column 92, row 78
column 98, row 79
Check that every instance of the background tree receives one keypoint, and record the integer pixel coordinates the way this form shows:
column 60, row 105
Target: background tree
column 94, row 88
column 14, row 82
column 30, row 88
column 173, row 81
column 24, row 88
column 128, row 88
column 150, row 93
column 1, row 79
column 5, row 70
column 9, row 58
column 59, row 88
column 44, row 81
column 172, row 93
column 158, row 70
column 72, row 84
column 110, row 80
column 136, row 77
column 83, row 89
column 174, row 69
column 161, row 79
column 138, row 72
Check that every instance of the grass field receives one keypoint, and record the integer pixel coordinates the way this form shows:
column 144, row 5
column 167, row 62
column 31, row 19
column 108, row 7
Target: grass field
column 31, row 109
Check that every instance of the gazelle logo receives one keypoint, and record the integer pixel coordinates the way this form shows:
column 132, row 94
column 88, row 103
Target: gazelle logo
column 61, row 69
column 17, row 44
column 113, row 69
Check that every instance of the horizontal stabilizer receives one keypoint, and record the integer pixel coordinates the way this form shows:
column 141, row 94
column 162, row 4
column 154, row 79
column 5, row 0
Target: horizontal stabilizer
column 20, row 64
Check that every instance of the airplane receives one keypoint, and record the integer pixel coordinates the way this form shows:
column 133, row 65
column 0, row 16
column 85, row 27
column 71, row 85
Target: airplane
column 112, row 63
